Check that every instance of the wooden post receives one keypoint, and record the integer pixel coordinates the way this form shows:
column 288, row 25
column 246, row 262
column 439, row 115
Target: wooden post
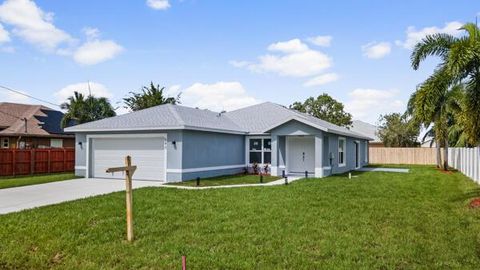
column 128, row 163
column 184, row 263
column 64, row 159
column 14, row 157
column 129, row 170
column 48, row 162
column 32, row 161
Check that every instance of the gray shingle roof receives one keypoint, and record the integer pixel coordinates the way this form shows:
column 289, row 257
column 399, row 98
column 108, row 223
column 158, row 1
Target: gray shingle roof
column 366, row 129
column 261, row 117
column 254, row 119
column 162, row 117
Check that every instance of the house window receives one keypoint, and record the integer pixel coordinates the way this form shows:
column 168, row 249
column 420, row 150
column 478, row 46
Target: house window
column 5, row 143
column 260, row 150
column 342, row 145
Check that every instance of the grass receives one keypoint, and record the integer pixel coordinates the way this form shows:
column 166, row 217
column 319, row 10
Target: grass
column 18, row 181
column 229, row 180
column 374, row 221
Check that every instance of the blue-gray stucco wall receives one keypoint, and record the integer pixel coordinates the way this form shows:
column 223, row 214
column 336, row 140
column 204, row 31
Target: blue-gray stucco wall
column 349, row 154
column 210, row 149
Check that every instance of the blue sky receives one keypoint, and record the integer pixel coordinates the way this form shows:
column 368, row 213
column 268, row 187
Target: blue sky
column 223, row 54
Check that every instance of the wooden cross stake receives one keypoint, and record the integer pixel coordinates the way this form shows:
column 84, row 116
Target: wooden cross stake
column 129, row 170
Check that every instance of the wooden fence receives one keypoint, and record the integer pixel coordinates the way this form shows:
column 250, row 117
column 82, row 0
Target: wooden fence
column 466, row 160
column 394, row 155
column 32, row 161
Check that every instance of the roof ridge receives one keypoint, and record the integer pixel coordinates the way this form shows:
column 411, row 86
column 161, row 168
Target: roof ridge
column 177, row 116
column 29, row 113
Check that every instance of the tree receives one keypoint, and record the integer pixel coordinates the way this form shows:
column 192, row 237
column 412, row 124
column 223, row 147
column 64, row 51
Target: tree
column 149, row 97
column 434, row 102
column 325, row 108
column 82, row 110
column 397, row 130
column 460, row 62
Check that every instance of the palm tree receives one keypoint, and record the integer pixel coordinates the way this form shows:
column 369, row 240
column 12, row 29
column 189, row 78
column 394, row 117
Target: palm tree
column 460, row 62
column 81, row 110
column 149, row 97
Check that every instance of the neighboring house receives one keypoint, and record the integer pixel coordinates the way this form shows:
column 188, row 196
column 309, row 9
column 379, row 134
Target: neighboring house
column 368, row 130
column 31, row 126
column 176, row 143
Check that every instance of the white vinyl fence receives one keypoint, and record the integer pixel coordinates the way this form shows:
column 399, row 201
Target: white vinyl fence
column 466, row 160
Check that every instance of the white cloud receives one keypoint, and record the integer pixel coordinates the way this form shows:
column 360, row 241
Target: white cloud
column 291, row 46
column 97, row 90
column 295, row 59
column 32, row 24
column 292, row 58
column 4, row 35
column 369, row 104
column 414, row 36
column 322, row 79
column 158, row 4
column 96, row 51
column 376, row 50
column 217, row 96
column 322, row 41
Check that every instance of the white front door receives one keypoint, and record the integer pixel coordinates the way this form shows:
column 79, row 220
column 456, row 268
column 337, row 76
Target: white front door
column 301, row 154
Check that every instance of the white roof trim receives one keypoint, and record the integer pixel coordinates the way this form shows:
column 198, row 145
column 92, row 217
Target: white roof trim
column 73, row 129
column 308, row 123
column 296, row 118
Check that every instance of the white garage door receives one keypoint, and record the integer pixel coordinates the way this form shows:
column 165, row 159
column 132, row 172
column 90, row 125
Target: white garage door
column 147, row 153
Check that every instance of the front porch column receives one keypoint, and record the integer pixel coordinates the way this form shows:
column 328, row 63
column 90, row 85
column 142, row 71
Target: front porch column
column 319, row 155
column 274, row 164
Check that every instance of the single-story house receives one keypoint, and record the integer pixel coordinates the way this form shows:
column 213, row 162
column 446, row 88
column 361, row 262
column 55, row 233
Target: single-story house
column 176, row 143
column 26, row 126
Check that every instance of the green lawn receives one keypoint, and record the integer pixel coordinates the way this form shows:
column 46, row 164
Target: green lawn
column 229, row 180
column 374, row 221
column 8, row 182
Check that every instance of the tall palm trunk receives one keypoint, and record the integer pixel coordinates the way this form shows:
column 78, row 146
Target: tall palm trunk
column 445, row 155
column 439, row 153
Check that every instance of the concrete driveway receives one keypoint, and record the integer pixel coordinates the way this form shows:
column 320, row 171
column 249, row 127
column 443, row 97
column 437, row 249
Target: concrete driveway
column 21, row 198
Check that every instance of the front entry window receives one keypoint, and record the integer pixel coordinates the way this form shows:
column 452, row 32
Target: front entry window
column 260, row 150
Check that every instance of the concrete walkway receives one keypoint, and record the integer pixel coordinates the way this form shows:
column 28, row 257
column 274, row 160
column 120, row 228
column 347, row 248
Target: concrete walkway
column 372, row 169
column 21, row 198
column 273, row 183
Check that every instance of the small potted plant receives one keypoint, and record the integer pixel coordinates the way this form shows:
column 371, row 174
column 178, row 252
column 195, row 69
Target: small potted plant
column 266, row 169
column 255, row 168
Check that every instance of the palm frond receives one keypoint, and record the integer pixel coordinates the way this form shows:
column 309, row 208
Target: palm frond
column 432, row 45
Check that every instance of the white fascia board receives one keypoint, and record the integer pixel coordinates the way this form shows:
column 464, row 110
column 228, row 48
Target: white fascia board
column 296, row 118
column 154, row 129
column 348, row 134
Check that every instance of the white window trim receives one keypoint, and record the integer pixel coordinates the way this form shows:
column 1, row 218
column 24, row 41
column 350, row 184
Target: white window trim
column 366, row 152
column 247, row 156
column 6, row 140
column 344, row 163
column 359, row 155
